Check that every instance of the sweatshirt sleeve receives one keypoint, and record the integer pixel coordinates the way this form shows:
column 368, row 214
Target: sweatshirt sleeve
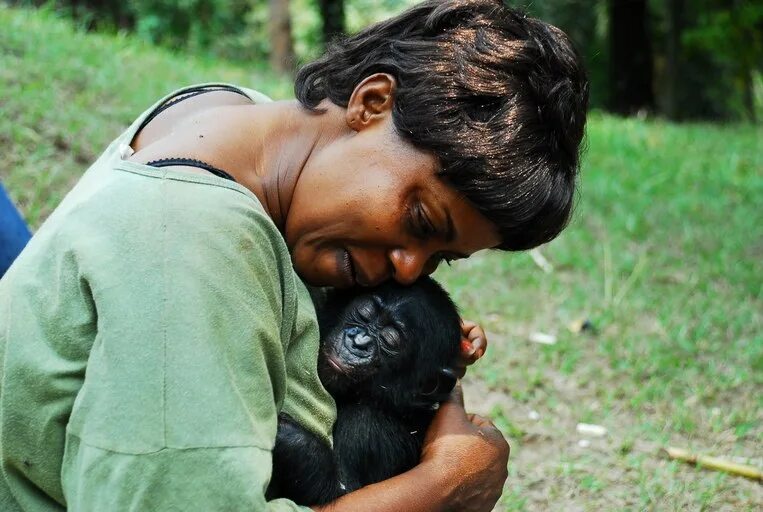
column 186, row 376
column 182, row 480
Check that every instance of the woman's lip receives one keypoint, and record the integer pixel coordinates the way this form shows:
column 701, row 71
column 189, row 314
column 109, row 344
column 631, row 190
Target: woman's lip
column 352, row 274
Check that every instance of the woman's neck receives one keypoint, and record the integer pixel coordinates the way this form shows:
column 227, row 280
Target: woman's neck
column 282, row 137
column 265, row 147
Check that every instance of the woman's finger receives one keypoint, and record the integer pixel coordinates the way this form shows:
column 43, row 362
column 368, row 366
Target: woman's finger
column 478, row 347
column 467, row 325
column 471, row 351
column 480, row 421
column 473, row 342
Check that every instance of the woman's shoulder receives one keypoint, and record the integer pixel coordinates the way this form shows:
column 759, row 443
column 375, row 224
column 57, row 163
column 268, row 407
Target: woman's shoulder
column 134, row 210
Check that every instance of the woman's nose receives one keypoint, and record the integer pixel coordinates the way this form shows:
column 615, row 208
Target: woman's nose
column 407, row 265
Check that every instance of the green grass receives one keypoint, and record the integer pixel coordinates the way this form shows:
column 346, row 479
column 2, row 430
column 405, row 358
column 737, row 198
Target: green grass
column 66, row 94
column 664, row 256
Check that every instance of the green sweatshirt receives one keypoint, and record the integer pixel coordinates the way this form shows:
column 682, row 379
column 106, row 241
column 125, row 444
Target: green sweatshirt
column 150, row 333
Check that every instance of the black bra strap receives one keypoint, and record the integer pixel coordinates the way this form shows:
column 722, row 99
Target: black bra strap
column 166, row 162
column 189, row 93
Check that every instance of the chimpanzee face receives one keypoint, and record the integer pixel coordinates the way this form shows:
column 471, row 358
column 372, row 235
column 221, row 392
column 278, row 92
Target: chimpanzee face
column 390, row 339
column 369, row 337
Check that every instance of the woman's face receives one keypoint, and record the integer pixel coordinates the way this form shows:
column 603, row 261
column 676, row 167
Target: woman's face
column 369, row 206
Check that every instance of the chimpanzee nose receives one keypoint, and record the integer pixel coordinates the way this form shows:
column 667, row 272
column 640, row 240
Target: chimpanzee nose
column 359, row 338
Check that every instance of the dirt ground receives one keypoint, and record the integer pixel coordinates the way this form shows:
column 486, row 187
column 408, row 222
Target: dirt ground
column 553, row 467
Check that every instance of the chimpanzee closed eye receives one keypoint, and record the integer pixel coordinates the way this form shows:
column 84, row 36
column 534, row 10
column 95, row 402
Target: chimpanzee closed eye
column 385, row 357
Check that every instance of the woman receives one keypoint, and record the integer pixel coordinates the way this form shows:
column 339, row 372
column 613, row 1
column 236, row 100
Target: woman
column 156, row 324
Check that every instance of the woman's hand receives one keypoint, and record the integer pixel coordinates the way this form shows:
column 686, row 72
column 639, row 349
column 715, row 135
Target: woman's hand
column 471, row 452
column 462, row 469
column 473, row 345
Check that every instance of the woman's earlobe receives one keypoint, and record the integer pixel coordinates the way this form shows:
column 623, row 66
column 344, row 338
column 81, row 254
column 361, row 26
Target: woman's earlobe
column 354, row 123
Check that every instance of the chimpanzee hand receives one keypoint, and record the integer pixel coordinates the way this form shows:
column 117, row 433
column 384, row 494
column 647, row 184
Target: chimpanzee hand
column 473, row 345
column 471, row 451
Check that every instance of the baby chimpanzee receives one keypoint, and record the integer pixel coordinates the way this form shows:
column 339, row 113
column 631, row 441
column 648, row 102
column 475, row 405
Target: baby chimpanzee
column 385, row 357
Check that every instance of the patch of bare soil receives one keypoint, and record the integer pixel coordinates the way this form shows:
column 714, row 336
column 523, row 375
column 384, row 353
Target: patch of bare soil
column 554, row 467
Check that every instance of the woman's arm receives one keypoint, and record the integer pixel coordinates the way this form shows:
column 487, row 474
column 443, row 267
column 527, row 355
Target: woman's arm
column 463, row 468
column 179, row 405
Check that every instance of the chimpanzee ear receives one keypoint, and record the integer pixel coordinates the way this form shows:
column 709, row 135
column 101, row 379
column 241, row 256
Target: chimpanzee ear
column 448, row 381
column 438, row 388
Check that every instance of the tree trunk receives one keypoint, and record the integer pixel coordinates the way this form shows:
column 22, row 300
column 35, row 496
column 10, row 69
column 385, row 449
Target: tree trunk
column 630, row 57
column 746, row 64
column 332, row 15
column 281, row 48
column 673, row 58
column 748, row 96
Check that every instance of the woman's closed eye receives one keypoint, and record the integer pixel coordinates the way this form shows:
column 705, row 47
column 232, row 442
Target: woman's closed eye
column 419, row 223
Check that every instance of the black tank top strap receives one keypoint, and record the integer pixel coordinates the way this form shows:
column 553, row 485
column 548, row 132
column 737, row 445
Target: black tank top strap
column 188, row 93
column 166, row 162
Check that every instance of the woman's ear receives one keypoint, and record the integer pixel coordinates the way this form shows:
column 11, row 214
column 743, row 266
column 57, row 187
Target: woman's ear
column 371, row 101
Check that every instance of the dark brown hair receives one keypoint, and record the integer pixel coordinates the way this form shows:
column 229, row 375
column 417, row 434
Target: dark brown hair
column 500, row 98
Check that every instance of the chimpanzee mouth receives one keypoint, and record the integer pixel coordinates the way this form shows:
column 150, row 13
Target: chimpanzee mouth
column 331, row 359
column 336, row 366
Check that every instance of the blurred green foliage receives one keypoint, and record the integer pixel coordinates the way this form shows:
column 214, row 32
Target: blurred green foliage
column 720, row 39
column 230, row 29
column 721, row 52
column 732, row 39
column 197, row 25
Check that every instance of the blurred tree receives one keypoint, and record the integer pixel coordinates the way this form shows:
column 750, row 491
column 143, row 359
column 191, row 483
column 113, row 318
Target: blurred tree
column 118, row 13
column 332, row 17
column 673, row 66
column 281, row 49
column 630, row 52
column 586, row 22
column 703, row 55
column 687, row 59
column 712, row 50
column 730, row 34
column 194, row 25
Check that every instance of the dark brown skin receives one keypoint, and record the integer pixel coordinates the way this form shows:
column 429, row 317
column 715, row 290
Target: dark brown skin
column 351, row 198
column 463, row 467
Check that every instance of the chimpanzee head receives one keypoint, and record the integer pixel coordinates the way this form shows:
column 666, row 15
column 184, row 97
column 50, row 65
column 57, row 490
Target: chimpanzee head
column 392, row 344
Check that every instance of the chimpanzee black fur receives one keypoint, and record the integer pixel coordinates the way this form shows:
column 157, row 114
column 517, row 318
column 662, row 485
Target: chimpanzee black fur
column 385, row 357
